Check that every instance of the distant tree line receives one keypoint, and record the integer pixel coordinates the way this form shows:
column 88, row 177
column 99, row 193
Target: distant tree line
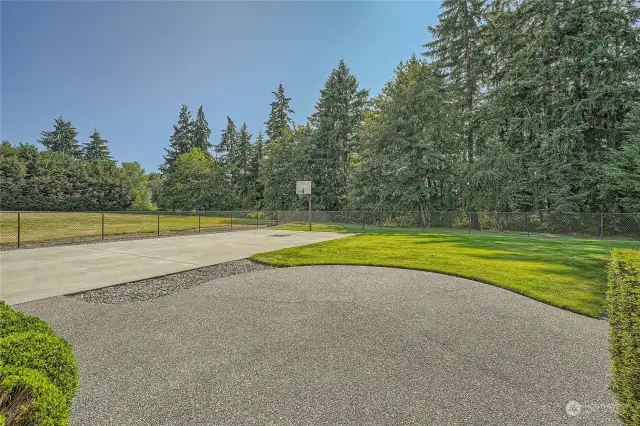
column 515, row 105
column 68, row 176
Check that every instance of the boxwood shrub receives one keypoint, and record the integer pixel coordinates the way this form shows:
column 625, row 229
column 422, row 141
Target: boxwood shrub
column 38, row 373
column 623, row 305
column 47, row 353
column 28, row 398
column 17, row 322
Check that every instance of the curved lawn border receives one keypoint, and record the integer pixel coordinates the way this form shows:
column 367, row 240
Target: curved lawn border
column 569, row 275
column 466, row 277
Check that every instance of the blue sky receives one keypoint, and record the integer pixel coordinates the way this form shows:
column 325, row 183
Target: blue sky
column 126, row 67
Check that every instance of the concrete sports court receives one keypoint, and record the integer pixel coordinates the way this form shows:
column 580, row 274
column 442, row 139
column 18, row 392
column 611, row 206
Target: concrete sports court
column 320, row 345
column 32, row 274
column 334, row 345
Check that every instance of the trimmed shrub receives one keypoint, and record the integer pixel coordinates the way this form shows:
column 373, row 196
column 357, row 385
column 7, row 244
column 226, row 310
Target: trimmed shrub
column 17, row 322
column 623, row 300
column 46, row 353
column 28, row 398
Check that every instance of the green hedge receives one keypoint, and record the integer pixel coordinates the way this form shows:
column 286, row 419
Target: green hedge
column 38, row 373
column 623, row 300
column 17, row 322
column 35, row 400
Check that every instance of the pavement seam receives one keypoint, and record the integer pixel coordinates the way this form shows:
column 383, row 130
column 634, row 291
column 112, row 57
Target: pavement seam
column 147, row 257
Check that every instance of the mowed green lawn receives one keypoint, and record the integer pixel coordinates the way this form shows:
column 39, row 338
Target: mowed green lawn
column 57, row 226
column 569, row 273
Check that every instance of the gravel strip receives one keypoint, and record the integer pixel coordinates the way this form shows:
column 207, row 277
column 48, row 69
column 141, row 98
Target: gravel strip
column 125, row 237
column 162, row 286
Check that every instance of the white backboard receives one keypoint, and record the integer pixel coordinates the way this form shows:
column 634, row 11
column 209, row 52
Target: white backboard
column 303, row 187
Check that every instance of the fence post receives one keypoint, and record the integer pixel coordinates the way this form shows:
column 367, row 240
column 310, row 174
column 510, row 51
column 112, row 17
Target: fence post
column 198, row 221
column 257, row 220
column 601, row 226
column 469, row 220
column 379, row 220
column 18, row 229
column 277, row 218
column 329, row 219
column 422, row 217
column 158, row 224
column 103, row 226
column 231, row 219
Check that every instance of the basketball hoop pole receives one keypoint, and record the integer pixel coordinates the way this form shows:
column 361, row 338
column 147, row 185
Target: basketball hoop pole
column 309, row 198
column 303, row 188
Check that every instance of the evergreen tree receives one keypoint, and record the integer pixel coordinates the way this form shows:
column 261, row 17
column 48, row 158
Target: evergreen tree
column 228, row 143
column 96, row 148
column 456, row 51
column 240, row 171
column 256, row 187
column 201, row 132
column 279, row 119
column 196, row 182
column 562, row 76
column 620, row 184
column 280, row 170
column 406, row 143
column 338, row 115
column 62, row 139
column 182, row 139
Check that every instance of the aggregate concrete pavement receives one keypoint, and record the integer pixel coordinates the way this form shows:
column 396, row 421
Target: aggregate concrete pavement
column 328, row 345
column 32, row 274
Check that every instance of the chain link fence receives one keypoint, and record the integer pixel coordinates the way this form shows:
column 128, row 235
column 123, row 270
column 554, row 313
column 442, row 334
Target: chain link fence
column 585, row 225
column 29, row 229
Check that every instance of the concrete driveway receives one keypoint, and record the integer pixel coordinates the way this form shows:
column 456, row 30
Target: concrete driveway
column 32, row 274
column 328, row 345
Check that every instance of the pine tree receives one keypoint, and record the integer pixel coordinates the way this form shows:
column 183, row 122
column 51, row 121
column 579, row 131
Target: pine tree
column 240, row 173
column 456, row 51
column 181, row 141
column 63, row 138
column 228, row 143
column 279, row 173
column 406, row 144
column 562, row 76
column 201, row 132
column 279, row 119
column 338, row 115
column 96, row 148
column 257, row 153
column 620, row 183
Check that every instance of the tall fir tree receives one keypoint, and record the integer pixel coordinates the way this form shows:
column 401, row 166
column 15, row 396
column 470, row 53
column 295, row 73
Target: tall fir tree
column 181, row 141
column 562, row 77
column 279, row 119
column 257, row 189
column 240, row 168
column 63, row 138
column 338, row 116
column 96, row 148
column 406, row 144
column 201, row 132
column 456, row 51
column 228, row 143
